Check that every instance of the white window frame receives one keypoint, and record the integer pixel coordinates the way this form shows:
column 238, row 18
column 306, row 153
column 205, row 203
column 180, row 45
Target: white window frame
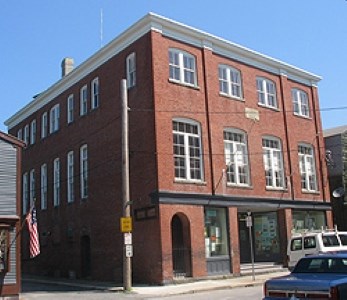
column 300, row 103
column 307, row 168
column 84, row 171
column 32, row 193
column 44, row 186
column 230, row 83
column 70, row 109
column 187, row 150
column 131, row 70
column 95, row 98
column 56, row 182
column 236, row 157
column 70, row 177
column 182, row 67
column 54, row 117
column 33, row 132
column 273, row 162
column 26, row 134
column 44, row 125
column 25, row 195
column 267, row 95
column 84, row 100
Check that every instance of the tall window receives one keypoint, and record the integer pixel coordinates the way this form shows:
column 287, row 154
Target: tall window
column 70, row 178
column 20, row 134
column 32, row 193
column 83, row 100
column 44, row 186
column 95, row 93
column 44, row 125
column 266, row 90
column 131, row 70
column 54, row 119
column 236, row 157
column 307, row 168
column 56, row 182
column 187, row 150
column 273, row 162
column 84, row 171
column 300, row 103
column 33, row 132
column 26, row 134
column 70, row 109
column 25, row 199
column 182, row 67
column 230, row 81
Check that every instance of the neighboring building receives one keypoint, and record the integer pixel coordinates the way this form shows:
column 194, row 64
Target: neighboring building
column 216, row 131
column 336, row 156
column 10, row 216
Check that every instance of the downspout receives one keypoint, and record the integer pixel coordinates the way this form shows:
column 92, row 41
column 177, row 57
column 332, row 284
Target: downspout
column 209, row 134
column 291, row 189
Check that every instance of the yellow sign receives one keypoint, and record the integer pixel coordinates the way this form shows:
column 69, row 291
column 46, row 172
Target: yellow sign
column 126, row 224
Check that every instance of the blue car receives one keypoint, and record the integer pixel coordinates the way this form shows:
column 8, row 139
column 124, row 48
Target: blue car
column 322, row 276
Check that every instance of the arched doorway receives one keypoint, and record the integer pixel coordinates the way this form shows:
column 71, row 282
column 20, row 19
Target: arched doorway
column 181, row 253
column 85, row 257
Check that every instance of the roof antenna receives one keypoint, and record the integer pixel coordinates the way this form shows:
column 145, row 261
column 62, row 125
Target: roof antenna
column 101, row 28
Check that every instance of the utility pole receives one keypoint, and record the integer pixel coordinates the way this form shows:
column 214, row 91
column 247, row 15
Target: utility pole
column 126, row 220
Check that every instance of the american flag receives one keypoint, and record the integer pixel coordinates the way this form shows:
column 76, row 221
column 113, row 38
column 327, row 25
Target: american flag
column 34, row 235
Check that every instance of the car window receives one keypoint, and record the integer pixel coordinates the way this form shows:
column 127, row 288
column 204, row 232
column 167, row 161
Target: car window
column 330, row 240
column 296, row 244
column 343, row 238
column 309, row 242
column 321, row 265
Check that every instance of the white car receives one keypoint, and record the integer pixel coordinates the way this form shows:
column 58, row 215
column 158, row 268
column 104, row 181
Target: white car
column 303, row 244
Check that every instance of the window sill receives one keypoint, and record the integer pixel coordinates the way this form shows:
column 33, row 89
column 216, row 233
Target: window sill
column 238, row 186
column 195, row 87
column 310, row 192
column 230, row 97
column 187, row 181
column 269, row 107
column 275, row 189
column 302, row 116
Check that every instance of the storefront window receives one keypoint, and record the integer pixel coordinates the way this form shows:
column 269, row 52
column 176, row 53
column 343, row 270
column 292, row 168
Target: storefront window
column 3, row 249
column 308, row 220
column 265, row 235
column 216, row 235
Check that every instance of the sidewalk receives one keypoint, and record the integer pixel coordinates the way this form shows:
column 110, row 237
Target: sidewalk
column 166, row 290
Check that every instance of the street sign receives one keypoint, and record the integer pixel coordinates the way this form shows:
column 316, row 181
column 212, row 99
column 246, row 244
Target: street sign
column 249, row 221
column 129, row 250
column 126, row 224
column 128, row 239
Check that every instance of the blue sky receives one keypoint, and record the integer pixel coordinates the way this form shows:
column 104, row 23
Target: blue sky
column 36, row 35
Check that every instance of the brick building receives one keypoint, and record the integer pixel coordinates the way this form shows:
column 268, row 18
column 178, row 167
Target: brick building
column 216, row 131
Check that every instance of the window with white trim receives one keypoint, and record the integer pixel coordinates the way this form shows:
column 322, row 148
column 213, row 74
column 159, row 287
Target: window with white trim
column 32, row 132
column 84, row 171
column 26, row 134
column 20, row 134
column 70, row 177
column 25, row 194
column 273, row 163
column 131, row 69
column 266, row 90
column 95, row 98
column 56, row 182
column 236, row 157
column 32, row 193
column 300, row 103
column 230, row 81
column 44, row 186
column 83, row 100
column 44, row 125
column 307, row 168
column 182, row 67
column 70, row 109
column 54, row 118
column 187, row 150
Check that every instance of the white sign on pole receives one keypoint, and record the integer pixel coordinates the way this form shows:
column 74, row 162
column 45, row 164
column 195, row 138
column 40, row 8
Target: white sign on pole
column 128, row 239
column 129, row 250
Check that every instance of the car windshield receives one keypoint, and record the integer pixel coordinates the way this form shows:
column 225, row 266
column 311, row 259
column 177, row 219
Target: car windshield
column 321, row 265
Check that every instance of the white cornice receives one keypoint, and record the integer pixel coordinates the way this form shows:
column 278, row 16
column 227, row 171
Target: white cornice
column 172, row 29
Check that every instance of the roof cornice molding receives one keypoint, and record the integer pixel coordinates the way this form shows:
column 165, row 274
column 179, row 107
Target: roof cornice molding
column 174, row 30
